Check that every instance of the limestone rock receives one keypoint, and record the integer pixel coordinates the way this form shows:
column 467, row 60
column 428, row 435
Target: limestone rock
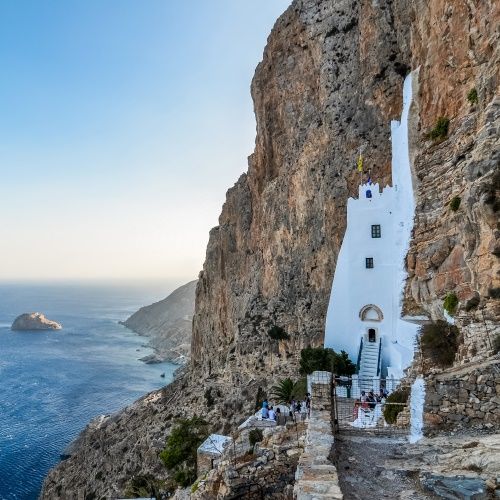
column 168, row 324
column 34, row 321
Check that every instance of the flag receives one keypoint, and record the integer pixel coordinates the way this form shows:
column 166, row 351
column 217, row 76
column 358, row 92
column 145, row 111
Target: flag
column 360, row 163
column 369, row 180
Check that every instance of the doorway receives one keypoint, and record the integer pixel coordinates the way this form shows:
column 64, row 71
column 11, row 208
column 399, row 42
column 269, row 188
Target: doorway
column 372, row 336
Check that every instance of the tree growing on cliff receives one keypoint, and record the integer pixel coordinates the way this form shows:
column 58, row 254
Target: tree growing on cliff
column 179, row 455
column 325, row 359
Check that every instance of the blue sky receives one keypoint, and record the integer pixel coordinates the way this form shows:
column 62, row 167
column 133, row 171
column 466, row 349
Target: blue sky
column 122, row 125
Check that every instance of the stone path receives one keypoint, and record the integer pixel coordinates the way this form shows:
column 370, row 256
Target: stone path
column 368, row 469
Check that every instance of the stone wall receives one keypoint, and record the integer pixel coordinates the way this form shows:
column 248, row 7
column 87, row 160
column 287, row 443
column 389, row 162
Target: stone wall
column 466, row 397
column 316, row 476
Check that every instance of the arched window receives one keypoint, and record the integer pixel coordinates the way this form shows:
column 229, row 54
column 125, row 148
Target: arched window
column 371, row 312
column 368, row 193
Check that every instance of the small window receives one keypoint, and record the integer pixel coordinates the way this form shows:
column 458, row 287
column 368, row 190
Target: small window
column 369, row 263
column 376, row 231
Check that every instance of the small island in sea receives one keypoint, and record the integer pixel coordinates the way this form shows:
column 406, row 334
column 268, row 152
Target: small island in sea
column 34, row 321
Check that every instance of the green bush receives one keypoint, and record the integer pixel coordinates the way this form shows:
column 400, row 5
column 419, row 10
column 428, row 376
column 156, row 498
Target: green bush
column 472, row 96
column 496, row 344
column 179, row 455
column 255, row 436
column 400, row 398
column 287, row 389
column 325, row 359
column 439, row 342
column 450, row 303
column 440, row 131
column 455, row 203
column 277, row 333
column 142, row 486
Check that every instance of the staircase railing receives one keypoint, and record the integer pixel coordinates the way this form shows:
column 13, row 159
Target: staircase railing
column 379, row 362
column 359, row 356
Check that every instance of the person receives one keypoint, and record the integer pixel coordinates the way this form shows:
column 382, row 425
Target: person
column 372, row 402
column 355, row 411
column 264, row 412
column 364, row 402
column 271, row 414
column 265, row 404
column 303, row 410
column 308, row 404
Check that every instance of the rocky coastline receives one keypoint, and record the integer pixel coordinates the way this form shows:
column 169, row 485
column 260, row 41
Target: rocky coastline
column 168, row 325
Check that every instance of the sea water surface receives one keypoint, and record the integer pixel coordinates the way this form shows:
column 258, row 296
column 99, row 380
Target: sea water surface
column 52, row 383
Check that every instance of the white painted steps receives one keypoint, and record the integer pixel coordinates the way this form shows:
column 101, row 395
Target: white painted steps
column 368, row 366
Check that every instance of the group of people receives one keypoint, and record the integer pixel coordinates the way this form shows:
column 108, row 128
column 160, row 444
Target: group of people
column 369, row 401
column 296, row 409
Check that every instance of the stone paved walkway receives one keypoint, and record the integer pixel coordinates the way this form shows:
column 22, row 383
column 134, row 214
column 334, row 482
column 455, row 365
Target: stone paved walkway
column 368, row 469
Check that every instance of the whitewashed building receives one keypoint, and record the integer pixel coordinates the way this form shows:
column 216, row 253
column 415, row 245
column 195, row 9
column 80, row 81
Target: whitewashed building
column 364, row 313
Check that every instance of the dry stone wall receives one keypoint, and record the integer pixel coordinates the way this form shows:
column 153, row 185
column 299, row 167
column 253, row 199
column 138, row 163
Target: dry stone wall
column 466, row 398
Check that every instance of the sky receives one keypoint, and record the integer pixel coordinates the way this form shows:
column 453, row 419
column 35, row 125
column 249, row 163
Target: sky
column 122, row 125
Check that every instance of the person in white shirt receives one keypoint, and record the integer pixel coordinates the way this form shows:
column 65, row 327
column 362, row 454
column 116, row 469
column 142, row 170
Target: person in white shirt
column 272, row 414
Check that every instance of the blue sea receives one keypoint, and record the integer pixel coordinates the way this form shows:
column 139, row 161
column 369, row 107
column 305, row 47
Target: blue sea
column 52, row 383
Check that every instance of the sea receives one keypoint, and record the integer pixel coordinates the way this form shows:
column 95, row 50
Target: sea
column 52, row 383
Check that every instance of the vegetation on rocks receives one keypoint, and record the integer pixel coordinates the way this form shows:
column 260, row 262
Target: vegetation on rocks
column 496, row 344
column 179, row 455
column 450, row 303
column 287, row 389
column 399, row 398
column 440, row 130
column 439, row 342
column 325, row 359
column 143, row 486
column 472, row 96
column 255, row 436
column 278, row 333
column 455, row 203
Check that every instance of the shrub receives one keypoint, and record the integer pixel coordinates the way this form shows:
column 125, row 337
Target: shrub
column 450, row 303
column 255, row 436
column 473, row 302
column 179, row 455
column 400, row 398
column 439, row 342
column 494, row 293
column 325, row 359
column 496, row 344
column 287, row 389
column 455, row 203
column 142, row 486
column 472, row 96
column 209, row 399
column 440, row 130
column 277, row 333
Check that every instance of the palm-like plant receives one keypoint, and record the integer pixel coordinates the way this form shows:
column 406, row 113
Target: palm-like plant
column 288, row 389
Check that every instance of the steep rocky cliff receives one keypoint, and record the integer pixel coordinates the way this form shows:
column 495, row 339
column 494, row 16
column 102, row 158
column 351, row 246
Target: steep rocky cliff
column 168, row 324
column 329, row 83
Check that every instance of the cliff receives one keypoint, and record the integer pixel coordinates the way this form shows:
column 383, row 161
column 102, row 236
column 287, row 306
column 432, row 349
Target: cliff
column 168, row 324
column 329, row 83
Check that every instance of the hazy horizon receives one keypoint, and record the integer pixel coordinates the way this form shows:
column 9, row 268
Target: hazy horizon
column 122, row 128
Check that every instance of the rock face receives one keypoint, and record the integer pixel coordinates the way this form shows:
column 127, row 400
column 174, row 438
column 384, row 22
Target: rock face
column 34, row 321
column 168, row 323
column 329, row 83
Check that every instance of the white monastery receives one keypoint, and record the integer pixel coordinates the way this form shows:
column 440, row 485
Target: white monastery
column 364, row 313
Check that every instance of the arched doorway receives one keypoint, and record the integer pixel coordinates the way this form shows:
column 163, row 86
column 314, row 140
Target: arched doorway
column 372, row 335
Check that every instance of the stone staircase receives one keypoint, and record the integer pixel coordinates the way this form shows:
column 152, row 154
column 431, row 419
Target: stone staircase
column 368, row 365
